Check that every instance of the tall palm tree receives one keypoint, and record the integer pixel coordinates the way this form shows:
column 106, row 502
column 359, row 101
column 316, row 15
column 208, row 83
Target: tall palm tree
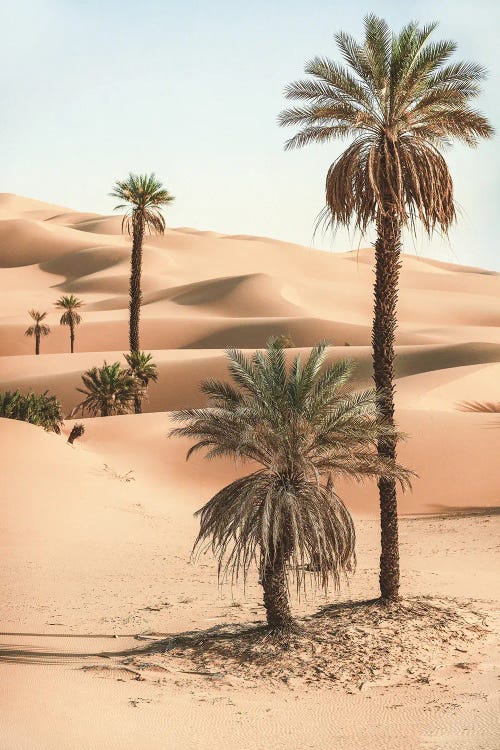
column 70, row 317
column 108, row 390
column 400, row 102
column 143, row 196
column 39, row 328
column 303, row 427
column 141, row 366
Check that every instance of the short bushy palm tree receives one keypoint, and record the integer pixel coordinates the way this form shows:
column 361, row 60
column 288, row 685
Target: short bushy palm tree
column 108, row 390
column 301, row 427
column 142, row 366
column 38, row 329
column 70, row 317
column 144, row 197
column 36, row 408
column 400, row 102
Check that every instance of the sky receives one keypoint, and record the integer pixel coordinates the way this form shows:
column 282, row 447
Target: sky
column 94, row 89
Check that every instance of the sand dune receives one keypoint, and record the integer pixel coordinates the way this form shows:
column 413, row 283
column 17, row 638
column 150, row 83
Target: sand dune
column 96, row 538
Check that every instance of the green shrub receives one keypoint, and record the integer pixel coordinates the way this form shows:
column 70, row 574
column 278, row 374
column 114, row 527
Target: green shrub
column 36, row 408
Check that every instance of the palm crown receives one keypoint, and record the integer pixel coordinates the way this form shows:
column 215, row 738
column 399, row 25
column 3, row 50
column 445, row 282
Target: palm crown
column 402, row 102
column 141, row 365
column 39, row 328
column 143, row 196
column 108, row 390
column 70, row 304
column 302, row 426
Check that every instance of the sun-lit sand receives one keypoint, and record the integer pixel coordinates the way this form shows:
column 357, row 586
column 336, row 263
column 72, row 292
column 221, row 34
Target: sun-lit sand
column 96, row 537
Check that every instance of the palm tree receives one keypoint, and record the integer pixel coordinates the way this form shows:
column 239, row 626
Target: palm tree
column 400, row 101
column 36, row 408
column 39, row 329
column 141, row 366
column 143, row 196
column 303, row 427
column 109, row 390
column 70, row 317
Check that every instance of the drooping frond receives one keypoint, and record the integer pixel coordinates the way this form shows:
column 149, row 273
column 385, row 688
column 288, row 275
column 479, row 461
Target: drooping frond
column 143, row 197
column 302, row 424
column 401, row 101
column 70, row 304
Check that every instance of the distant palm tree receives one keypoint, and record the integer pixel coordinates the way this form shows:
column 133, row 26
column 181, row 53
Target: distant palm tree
column 109, row 390
column 39, row 329
column 143, row 196
column 70, row 317
column 141, row 366
column 304, row 427
column 401, row 103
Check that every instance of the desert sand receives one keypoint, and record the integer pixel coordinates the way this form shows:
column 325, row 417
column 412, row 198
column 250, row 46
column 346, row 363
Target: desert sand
column 96, row 537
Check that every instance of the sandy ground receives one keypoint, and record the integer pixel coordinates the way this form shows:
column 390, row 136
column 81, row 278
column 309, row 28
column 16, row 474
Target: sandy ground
column 96, row 538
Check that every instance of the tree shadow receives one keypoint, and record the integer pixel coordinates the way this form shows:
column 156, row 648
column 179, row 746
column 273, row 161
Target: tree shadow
column 487, row 407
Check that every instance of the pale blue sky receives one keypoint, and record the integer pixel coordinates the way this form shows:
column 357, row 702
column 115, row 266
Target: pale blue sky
column 92, row 89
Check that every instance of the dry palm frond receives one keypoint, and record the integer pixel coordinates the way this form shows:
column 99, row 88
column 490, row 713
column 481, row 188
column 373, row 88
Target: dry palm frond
column 305, row 427
column 401, row 102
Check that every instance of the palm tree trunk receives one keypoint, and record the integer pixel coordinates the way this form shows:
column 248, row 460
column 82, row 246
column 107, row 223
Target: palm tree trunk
column 135, row 282
column 37, row 343
column 72, row 337
column 273, row 578
column 388, row 264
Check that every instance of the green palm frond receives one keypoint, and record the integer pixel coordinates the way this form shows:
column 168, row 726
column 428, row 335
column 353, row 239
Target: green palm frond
column 36, row 408
column 400, row 101
column 303, row 426
column 109, row 390
column 142, row 366
column 142, row 196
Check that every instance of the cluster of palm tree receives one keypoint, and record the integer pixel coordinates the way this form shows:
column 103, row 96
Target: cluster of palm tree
column 400, row 101
column 70, row 317
column 36, row 408
column 112, row 389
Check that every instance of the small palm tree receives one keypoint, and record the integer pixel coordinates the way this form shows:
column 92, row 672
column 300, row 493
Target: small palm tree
column 109, row 390
column 39, row 328
column 141, row 366
column 401, row 102
column 36, row 408
column 70, row 317
column 143, row 196
column 304, row 427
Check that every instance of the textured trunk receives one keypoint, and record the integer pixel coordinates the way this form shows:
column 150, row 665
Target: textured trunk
column 135, row 292
column 37, row 343
column 72, row 337
column 388, row 263
column 135, row 282
column 279, row 617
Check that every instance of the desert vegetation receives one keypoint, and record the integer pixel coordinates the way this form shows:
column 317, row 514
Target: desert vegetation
column 39, row 409
column 70, row 317
column 304, row 427
column 38, row 329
